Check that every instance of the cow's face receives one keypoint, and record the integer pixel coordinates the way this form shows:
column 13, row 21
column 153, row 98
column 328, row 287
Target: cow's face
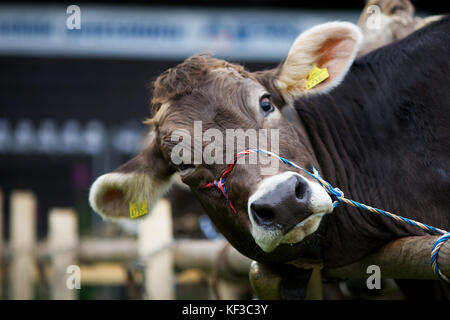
column 207, row 110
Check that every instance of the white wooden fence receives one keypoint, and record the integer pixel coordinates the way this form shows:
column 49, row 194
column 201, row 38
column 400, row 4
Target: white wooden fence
column 101, row 260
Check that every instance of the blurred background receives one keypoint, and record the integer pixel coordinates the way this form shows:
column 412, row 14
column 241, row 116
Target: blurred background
column 72, row 102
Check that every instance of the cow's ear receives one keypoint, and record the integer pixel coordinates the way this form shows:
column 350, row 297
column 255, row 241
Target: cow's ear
column 133, row 189
column 319, row 59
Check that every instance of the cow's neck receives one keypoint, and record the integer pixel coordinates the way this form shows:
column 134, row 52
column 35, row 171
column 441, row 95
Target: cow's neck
column 353, row 146
column 382, row 137
column 376, row 144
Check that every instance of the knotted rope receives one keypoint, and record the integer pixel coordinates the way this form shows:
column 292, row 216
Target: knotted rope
column 338, row 196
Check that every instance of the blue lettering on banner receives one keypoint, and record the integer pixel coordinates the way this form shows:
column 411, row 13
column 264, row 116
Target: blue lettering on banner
column 24, row 28
column 244, row 31
column 132, row 30
column 150, row 32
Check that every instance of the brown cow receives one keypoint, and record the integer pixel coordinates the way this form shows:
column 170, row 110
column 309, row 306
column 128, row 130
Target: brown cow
column 384, row 21
column 375, row 129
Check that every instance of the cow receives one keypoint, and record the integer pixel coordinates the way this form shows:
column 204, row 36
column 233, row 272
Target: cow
column 378, row 127
column 385, row 21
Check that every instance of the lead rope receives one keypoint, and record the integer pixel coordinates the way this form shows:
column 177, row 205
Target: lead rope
column 339, row 198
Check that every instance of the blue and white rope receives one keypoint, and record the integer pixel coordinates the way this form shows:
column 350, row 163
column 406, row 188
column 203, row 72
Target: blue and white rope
column 339, row 198
column 434, row 256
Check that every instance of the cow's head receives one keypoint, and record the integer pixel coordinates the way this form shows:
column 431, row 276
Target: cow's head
column 199, row 106
column 385, row 21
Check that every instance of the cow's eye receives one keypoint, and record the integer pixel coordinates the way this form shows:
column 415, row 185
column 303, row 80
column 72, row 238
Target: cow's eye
column 265, row 104
column 184, row 167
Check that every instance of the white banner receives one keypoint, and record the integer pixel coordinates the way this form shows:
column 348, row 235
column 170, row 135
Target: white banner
column 153, row 32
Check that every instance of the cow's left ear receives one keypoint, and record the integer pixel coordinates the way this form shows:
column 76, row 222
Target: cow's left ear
column 319, row 59
column 133, row 189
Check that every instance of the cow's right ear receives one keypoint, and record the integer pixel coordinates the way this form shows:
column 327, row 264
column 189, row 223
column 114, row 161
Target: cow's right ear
column 319, row 59
column 133, row 189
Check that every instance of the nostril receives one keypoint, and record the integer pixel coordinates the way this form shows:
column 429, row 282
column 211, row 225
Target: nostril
column 300, row 189
column 262, row 214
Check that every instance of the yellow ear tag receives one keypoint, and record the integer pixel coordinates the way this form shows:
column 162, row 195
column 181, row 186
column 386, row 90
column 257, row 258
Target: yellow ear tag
column 138, row 209
column 316, row 76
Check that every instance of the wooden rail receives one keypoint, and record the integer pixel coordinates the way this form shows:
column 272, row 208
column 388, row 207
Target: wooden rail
column 405, row 258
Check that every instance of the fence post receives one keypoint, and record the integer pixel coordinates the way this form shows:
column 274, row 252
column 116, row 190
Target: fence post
column 314, row 290
column 22, row 242
column 62, row 242
column 155, row 235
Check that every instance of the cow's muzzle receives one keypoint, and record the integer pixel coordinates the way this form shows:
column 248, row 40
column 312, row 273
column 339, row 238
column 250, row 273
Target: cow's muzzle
column 285, row 209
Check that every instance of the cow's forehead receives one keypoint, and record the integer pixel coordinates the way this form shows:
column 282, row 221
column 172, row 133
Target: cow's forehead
column 225, row 90
column 230, row 72
column 182, row 78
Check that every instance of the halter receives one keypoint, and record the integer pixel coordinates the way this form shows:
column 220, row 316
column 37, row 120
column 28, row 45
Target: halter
column 220, row 183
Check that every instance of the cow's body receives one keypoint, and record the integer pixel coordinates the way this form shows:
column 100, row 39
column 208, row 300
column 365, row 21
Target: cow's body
column 383, row 137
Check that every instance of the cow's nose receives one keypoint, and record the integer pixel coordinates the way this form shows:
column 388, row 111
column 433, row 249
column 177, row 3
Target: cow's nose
column 284, row 206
